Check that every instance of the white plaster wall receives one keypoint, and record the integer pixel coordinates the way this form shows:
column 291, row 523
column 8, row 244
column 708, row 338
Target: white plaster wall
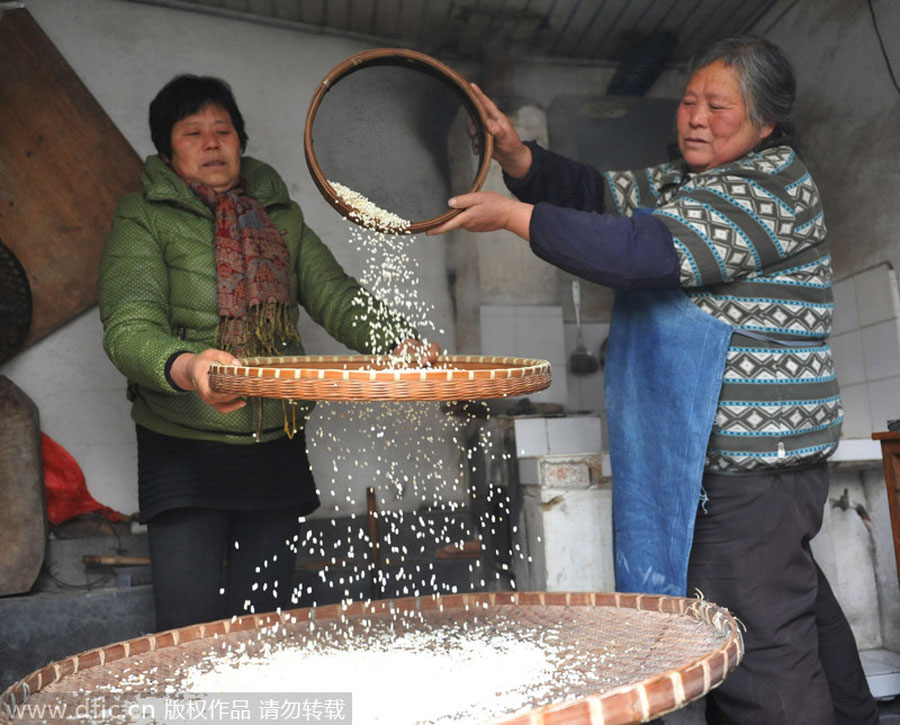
column 81, row 402
column 857, row 560
column 882, row 554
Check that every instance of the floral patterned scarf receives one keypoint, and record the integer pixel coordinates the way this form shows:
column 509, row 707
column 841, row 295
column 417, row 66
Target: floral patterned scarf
column 253, row 267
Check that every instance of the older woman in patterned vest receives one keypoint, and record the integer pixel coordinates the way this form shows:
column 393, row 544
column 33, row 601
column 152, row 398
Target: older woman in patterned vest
column 722, row 400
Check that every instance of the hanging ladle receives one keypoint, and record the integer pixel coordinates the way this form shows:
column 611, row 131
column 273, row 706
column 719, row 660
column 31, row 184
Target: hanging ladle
column 581, row 362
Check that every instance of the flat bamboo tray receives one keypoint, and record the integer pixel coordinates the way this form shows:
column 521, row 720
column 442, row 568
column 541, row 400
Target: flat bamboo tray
column 661, row 652
column 370, row 377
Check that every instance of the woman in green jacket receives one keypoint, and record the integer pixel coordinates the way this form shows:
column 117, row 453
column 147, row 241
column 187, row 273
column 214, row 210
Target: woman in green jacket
column 208, row 265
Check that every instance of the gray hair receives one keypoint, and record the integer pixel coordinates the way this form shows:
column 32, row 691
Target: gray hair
column 766, row 78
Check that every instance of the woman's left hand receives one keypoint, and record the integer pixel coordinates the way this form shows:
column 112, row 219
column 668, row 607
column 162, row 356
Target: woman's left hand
column 487, row 211
column 416, row 353
column 191, row 372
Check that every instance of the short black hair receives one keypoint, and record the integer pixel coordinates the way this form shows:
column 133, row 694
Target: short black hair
column 183, row 96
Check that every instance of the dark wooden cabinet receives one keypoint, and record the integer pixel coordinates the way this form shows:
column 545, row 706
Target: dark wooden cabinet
column 890, row 453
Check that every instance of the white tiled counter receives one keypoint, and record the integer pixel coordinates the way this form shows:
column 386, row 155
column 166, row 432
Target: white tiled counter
column 882, row 668
column 566, row 518
column 863, row 451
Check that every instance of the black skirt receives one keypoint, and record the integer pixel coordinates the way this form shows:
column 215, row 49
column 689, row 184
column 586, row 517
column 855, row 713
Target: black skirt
column 182, row 472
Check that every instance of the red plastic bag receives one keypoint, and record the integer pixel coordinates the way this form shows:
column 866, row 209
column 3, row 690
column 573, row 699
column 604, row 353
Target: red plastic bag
column 64, row 484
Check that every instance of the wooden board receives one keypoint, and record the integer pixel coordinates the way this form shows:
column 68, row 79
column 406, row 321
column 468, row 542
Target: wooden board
column 23, row 525
column 63, row 168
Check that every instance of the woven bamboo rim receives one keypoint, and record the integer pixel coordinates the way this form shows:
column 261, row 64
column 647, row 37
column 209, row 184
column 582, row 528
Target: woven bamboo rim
column 652, row 697
column 368, row 377
column 416, row 61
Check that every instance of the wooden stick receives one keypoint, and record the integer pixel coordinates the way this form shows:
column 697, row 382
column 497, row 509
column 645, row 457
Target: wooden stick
column 372, row 514
column 108, row 560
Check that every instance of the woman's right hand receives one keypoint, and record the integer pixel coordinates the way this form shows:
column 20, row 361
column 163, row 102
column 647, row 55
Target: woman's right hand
column 191, row 372
column 513, row 156
column 487, row 211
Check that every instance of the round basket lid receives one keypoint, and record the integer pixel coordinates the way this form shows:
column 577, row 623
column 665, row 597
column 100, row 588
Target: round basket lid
column 15, row 303
column 413, row 64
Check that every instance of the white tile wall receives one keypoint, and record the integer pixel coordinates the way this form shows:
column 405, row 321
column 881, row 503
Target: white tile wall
column 866, row 345
column 848, row 358
column 531, row 437
column 528, row 331
column 574, row 434
column 557, row 436
column 846, row 317
column 884, row 402
column 857, row 414
column 881, row 350
column 876, row 295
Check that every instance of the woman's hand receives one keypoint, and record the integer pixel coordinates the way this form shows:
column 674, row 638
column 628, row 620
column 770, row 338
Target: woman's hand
column 191, row 372
column 487, row 211
column 513, row 156
column 416, row 353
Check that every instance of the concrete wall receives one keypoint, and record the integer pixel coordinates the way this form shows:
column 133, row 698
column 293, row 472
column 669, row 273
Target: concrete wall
column 847, row 109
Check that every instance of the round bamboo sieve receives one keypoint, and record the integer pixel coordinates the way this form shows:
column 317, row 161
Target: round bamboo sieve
column 668, row 651
column 370, row 377
column 415, row 61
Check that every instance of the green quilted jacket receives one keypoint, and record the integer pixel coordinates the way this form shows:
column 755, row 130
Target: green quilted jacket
column 158, row 297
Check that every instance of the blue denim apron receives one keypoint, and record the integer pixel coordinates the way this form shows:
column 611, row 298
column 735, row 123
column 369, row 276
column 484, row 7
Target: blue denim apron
column 664, row 367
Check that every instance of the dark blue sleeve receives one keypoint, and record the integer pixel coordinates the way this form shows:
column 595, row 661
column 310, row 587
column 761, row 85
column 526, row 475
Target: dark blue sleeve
column 635, row 252
column 560, row 181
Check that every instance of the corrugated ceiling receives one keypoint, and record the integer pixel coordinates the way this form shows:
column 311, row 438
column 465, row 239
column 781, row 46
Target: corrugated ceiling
column 586, row 31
